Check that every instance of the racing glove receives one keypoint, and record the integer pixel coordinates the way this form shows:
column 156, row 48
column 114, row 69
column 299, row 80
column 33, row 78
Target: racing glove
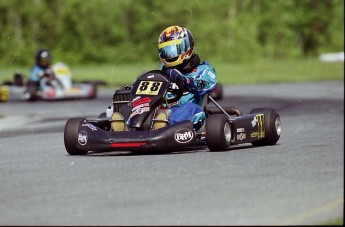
column 48, row 73
column 176, row 76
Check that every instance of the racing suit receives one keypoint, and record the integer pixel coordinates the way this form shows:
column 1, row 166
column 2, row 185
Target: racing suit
column 38, row 72
column 202, row 80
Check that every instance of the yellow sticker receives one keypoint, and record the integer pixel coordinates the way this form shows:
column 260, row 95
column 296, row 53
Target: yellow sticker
column 62, row 71
column 74, row 90
column 149, row 88
column 4, row 93
column 260, row 118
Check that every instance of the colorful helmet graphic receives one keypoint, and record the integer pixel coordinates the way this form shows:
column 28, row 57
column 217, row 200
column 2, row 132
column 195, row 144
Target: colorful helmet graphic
column 175, row 45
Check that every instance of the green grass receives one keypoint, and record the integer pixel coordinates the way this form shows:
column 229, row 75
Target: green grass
column 277, row 71
column 339, row 221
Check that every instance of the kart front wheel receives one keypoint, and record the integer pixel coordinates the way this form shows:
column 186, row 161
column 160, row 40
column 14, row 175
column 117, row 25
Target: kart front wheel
column 71, row 136
column 218, row 132
column 272, row 127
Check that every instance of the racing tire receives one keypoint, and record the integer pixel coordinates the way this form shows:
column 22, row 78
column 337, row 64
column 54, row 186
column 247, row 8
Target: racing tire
column 71, row 136
column 218, row 132
column 217, row 93
column 103, row 115
column 31, row 91
column 93, row 94
column 272, row 127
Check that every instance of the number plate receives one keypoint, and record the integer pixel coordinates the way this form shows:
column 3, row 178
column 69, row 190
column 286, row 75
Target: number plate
column 149, row 88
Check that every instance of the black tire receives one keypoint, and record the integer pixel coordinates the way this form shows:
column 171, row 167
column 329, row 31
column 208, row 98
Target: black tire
column 218, row 132
column 217, row 93
column 103, row 115
column 272, row 127
column 31, row 91
column 71, row 136
column 94, row 91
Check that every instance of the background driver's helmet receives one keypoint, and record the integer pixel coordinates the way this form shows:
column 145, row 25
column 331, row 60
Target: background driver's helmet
column 43, row 58
column 175, row 45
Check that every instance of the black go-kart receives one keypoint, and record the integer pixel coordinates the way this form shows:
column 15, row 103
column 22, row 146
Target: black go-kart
column 140, row 105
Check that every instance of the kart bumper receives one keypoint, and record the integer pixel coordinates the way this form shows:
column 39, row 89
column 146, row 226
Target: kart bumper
column 170, row 138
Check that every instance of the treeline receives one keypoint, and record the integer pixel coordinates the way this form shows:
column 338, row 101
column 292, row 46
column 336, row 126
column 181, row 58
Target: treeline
column 116, row 31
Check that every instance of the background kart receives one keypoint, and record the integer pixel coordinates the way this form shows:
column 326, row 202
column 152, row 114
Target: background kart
column 217, row 93
column 140, row 106
column 61, row 87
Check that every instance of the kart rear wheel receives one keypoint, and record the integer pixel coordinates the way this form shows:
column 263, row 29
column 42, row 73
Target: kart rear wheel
column 217, row 93
column 31, row 91
column 272, row 127
column 218, row 132
column 71, row 136
column 93, row 93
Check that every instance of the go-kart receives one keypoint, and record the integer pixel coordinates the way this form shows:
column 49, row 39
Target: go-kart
column 140, row 105
column 56, row 83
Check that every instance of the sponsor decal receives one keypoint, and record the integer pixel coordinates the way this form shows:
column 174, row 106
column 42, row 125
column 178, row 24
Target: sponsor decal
column 184, row 136
column 211, row 74
column 136, row 98
column 254, row 135
column 241, row 136
column 74, row 90
column 141, row 101
column 91, row 126
column 82, row 138
column 201, row 84
column 258, row 120
column 139, row 111
column 140, row 106
column 240, row 130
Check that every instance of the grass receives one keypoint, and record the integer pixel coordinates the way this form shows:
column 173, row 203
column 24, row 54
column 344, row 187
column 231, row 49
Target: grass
column 339, row 221
column 277, row 71
column 280, row 71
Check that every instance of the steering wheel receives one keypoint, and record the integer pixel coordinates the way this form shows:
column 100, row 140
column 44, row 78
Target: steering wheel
column 177, row 91
column 49, row 75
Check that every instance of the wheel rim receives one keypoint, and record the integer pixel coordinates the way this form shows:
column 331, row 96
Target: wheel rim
column 227, row 132
column 278, row 126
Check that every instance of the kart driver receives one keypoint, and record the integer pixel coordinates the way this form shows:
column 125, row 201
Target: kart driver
column 180, row 62
column 42, row 69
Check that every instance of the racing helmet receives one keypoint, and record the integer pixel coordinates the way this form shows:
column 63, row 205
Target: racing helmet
column 43, row 58
column 175, row 45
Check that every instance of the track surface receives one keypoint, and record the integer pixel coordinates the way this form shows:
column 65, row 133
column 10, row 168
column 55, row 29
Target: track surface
column 299, row 181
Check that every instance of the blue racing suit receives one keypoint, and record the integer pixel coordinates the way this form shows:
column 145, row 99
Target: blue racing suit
column 202, row 81
column 36, row 73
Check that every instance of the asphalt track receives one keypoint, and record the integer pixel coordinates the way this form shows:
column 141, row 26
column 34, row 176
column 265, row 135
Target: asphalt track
column 299, row 181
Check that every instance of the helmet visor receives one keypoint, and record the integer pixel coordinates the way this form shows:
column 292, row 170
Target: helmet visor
column 173, row 48
column 44, row 62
